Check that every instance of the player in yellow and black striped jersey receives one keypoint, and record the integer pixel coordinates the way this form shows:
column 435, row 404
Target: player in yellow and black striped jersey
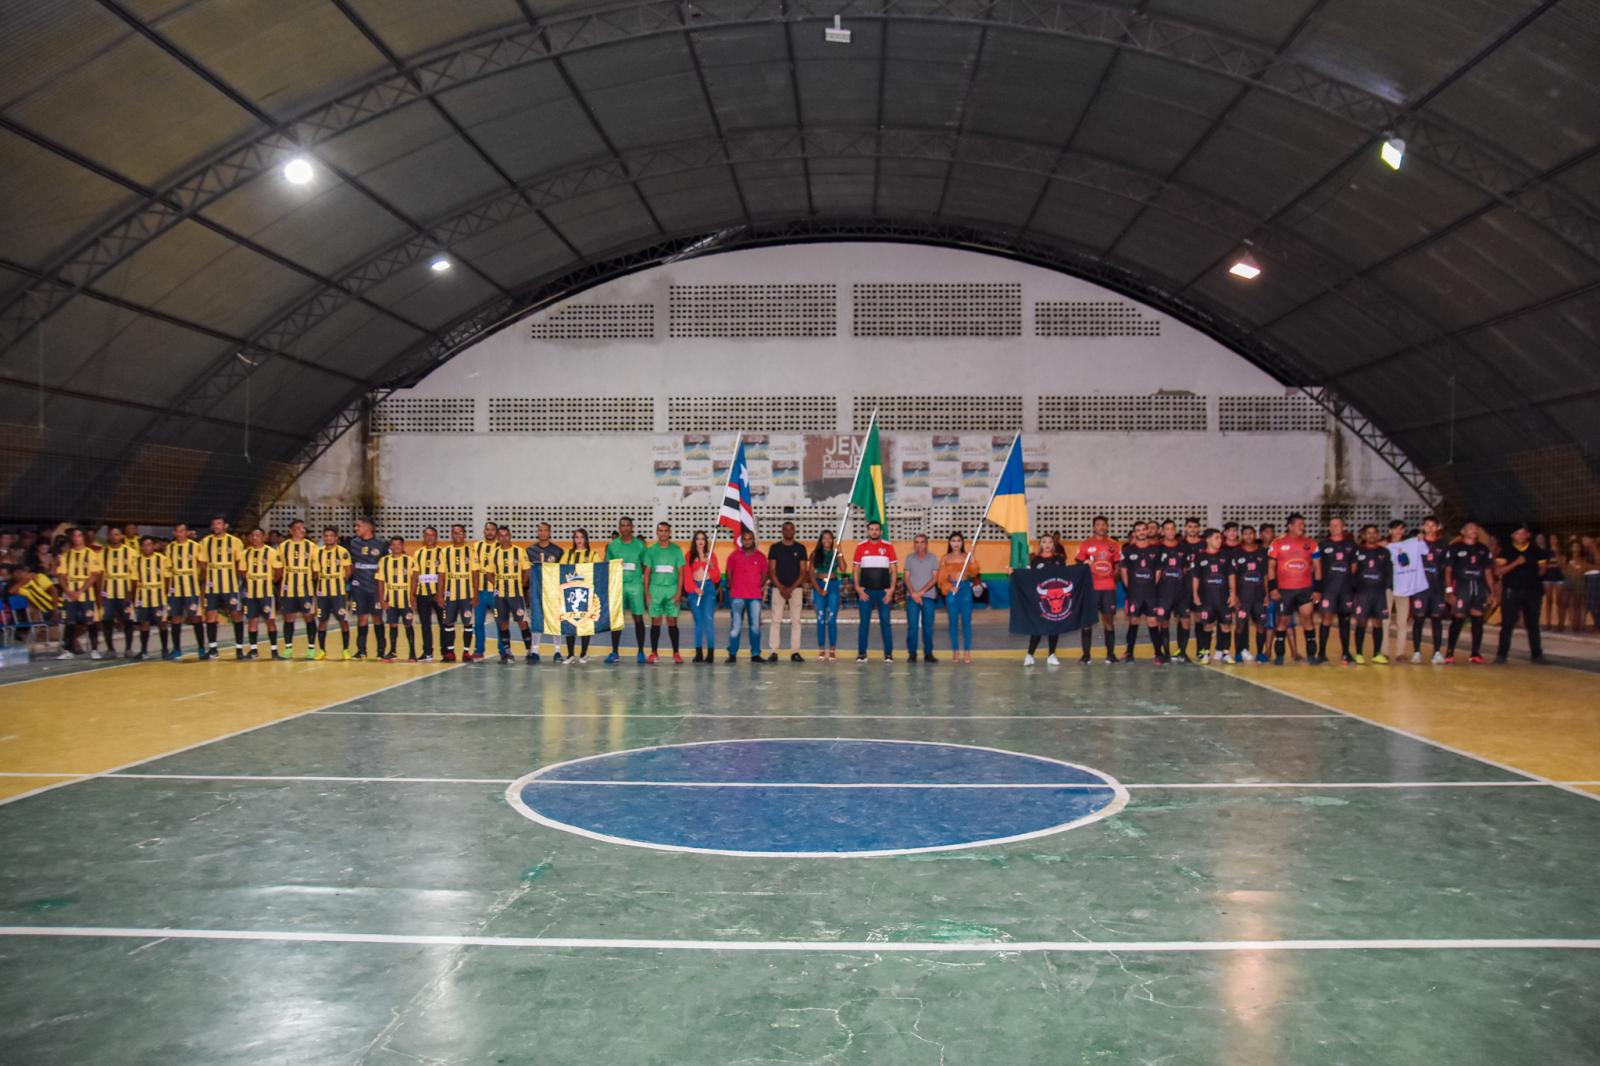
column 508, row 563
column 485, row 596
column 79, row 572
column 297, row 596
column 430, row 591
column 333, row 591
column 183, row 593
column 220, row 553
column 396, row 586
column 259, row 566
column 459, row 573
column 150, row 596
column 116, row 590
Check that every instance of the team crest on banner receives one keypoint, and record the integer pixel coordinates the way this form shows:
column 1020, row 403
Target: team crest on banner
column 579, row 604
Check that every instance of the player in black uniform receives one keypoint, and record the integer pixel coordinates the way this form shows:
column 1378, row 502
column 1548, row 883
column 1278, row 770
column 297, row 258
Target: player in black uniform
column 1141, row 568
column 1470, row 583
column 365, row 552
column 1191, row 545
column 1230, row 550
column 1250, row 586
column 1373, row 576
column 1172, row 591
column 1338, row 589
column 1211, row 586
column 1431, row 603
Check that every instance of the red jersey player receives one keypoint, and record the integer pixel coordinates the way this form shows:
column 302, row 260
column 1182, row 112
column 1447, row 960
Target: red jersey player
column 1294, row 565
column 1103, row 556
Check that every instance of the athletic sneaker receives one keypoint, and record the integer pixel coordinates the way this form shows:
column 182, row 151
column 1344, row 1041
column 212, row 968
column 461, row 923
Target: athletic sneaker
column 652, row 658
column 1053, row 661
column 639, row 656
column 238, row 653
column 613, row 659
column 796, row 657
column 530, row 658
column 677, row 660
column 449, row 656
column 1438, row 659
column 429, row 659
column 1027, row 660
column 569, row 661
column 1416, row 657
column 347, row 655
column 1360, row 660
column 412, row 659
column 359, row 656
column 558, row 657
column 1277, row 660
column 136, row 656
column 252, row 655
column 533, row 657
column 1478, row 660
column 1202, row 658
column 66, row 655
column 1449, row 660
column 95, row 654
column 318, row 655
column 505, row 657
column 861, row 658
column 1111, row 658
column 582, row 659
column 888, row 658
column 1086, row 658
column 1380, row 659
column 173, row 656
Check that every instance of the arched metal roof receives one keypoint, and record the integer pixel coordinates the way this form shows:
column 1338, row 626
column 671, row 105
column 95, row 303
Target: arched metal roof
column 180, row 328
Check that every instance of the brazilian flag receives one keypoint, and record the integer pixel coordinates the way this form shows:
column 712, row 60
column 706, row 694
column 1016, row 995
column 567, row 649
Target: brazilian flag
column 578, row 599
column 867, row 492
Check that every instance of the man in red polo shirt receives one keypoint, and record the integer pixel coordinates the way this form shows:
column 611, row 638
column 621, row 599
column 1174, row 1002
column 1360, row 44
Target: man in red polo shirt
column 876, row 563
column 1103, row 556
column 1293, row 568
column 747, row 587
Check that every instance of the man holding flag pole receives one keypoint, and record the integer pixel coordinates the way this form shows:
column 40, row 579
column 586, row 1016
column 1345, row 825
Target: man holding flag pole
column 875, row 560
column 747, row 566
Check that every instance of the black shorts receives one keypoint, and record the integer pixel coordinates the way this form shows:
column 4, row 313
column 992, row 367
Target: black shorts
column 182, row 607
column 364, row 600
column 1252, row 609
column 1371, row 603
column 259, row 607
column 509, row 608
column 1291, row 600
column 1143, row 603
column 333, row 607
column 222, row 602
column 1430, row 603
column 1171, row 599
column 1106, row 600
column 149, row 615
column 398, row 616
column 1338, row 597
column 118, row 609
column 306, row 605
column 79, row 612
column 458, row 612
column 1470, row 596
column 1214, row 607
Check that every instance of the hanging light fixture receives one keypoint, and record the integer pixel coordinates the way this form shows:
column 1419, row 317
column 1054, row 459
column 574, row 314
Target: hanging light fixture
column 1245, row 267
column 1392, row 152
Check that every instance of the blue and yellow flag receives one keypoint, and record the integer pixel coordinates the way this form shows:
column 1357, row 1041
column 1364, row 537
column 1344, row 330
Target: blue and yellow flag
column 1008, row 507
column 578, row 599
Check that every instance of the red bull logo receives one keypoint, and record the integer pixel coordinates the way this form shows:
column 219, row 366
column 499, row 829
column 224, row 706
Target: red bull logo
column 1055, row 598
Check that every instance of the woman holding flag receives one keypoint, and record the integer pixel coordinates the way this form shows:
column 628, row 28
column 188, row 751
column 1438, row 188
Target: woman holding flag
column 700, row 577
column 958, row 576
column 827, row 573
column 580, row 552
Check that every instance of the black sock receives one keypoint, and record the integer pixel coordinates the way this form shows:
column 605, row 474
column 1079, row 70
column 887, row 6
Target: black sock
column 200, row 635
column 569, row 647
column 411, row 640
column 144, row 641
column 527, row 638
column 1438, row 625
column 1344, row 634
column 177, row 637
column 1322, row 634
column 1183, row 638
column 1133, row 639
column 1202, row 640
column 616, row 641
column 655, row 637
column 638, row 631
column 1477, row 634
column 94, row 638
column 288, row 637
column 1311, row 645
column 1361, row 637
column 394, row 638
column 1455, row 633
column 1111, row 638
column 505, row 641
column 1278, row 641
column 1377, row 639
column 109, row 625
column 1155, row 641
column 1416, row 634
column 211, row 634
column 672, row 635
column 583, row 647
column 238, row 634
column 1088, row 642
column 1224, row 640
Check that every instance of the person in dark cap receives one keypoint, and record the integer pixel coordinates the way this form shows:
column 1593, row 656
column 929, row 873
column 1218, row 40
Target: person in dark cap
column 1520, row 564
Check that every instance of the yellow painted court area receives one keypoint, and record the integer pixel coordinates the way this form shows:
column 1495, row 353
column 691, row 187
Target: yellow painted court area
column 87, row 723
column 1541, row 720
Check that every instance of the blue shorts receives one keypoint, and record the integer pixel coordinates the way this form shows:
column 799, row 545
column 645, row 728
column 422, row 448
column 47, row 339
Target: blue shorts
column 364, row 599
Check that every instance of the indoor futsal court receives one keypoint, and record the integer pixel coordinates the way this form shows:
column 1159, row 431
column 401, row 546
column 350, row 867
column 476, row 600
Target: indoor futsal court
column 769, row 533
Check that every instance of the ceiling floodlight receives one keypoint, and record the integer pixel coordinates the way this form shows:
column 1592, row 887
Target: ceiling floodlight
column 1245, row 267
column 297, row 171
column 439, row 265
column 1393, row 151
column 836, row 34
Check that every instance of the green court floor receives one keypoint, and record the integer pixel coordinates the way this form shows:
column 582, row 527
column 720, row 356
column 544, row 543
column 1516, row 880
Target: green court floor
column 1287, row 884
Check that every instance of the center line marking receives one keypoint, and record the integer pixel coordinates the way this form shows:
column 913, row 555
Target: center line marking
column 197, row 695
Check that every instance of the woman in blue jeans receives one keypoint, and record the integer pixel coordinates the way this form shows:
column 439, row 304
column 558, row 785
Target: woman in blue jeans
column 958, row 580
column 826, row 560
column 700, row 577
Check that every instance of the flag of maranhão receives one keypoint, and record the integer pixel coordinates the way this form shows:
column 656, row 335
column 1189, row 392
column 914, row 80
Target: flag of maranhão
column 1008, row 507
column 738, row 512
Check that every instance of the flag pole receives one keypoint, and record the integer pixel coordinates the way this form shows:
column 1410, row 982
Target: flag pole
column 845, row 516
column 984, row 520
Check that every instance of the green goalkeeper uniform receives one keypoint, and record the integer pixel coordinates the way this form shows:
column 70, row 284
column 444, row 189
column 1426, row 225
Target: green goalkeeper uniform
column 630, row 554
column 665, row 565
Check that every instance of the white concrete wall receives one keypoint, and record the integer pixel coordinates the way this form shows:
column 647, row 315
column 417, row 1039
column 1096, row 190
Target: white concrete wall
column 475, row 471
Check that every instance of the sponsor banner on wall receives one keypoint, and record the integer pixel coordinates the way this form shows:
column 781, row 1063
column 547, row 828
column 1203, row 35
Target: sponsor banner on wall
column 798, row 469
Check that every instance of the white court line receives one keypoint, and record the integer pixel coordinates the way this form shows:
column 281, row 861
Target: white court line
column 71, row 673
column 827, row 717
column 1150, row 785
column 213, row 740
column 63, row 773
column 1565, row 786
column 854, row 947
column 195, row 696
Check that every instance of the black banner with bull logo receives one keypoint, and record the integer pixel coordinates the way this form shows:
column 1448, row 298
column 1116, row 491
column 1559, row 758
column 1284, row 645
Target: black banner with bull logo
column 1052, row 599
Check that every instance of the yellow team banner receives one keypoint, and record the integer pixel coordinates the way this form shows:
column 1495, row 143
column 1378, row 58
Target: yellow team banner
column 577, row 599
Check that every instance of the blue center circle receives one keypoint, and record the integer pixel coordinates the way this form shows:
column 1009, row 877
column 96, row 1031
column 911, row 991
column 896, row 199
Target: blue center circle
column 815, row 797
